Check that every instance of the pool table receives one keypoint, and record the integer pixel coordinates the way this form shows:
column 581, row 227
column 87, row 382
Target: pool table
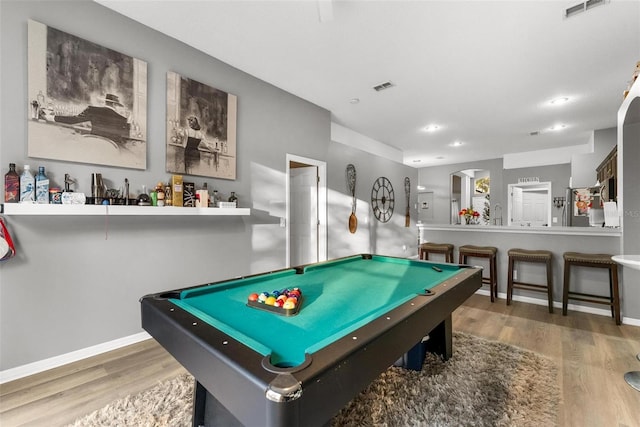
column 358, row 316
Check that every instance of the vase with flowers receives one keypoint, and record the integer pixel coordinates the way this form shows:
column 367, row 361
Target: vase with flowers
column 469, row 215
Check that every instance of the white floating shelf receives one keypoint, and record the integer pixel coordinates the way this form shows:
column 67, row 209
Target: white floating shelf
column 118, row 210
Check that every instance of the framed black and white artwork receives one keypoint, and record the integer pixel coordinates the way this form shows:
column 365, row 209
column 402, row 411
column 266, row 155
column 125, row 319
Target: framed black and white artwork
column 86, row 103
column 201, row 129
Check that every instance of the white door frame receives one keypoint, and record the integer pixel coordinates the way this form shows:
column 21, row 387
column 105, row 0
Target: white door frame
column 322, row 205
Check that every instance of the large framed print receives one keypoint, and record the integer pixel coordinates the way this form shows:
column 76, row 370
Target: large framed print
column 201, row 129
column 87, row 103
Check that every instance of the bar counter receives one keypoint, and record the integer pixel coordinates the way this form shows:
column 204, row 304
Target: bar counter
column 555, row 239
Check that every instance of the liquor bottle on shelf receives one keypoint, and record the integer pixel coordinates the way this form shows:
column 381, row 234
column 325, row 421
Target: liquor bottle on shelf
column 160, row 194
column 233, row 198
column 42, row 187
column 168, row 198
column 27, row 185
column 177, row 190
column 12, row 185
column 206, row 203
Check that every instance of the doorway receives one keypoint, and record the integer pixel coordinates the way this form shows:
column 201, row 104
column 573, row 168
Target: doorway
column 529, row 204
column 470, row 188
column 306, row 216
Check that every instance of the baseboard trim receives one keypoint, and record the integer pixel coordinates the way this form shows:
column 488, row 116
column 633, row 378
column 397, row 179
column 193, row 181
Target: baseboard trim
column 56, row 361
column 557, row 304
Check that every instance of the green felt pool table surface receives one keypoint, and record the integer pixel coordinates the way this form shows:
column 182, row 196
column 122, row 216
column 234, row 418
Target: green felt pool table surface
column 338, row 297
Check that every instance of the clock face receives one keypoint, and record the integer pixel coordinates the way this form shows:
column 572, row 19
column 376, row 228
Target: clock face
column 382, row 199
column 604, row 192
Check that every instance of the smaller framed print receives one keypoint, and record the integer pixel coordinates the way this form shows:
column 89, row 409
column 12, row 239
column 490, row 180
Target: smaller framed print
column 201, row 129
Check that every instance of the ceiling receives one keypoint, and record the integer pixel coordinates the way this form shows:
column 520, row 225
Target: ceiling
column 484, row 71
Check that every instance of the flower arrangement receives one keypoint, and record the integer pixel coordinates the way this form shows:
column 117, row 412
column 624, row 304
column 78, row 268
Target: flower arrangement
column 469, row 214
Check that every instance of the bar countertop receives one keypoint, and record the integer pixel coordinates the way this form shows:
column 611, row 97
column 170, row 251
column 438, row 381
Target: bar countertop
column 566, row 231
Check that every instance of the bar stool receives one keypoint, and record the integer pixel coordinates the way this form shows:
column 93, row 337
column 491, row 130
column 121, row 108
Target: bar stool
column 488, row 252
column 525, row 255
column 436, row 248
column 595, row 261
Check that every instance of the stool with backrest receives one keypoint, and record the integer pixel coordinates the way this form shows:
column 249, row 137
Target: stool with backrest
column 436, row 248
column 489, row 252
column 594, row 261
column 535, row 256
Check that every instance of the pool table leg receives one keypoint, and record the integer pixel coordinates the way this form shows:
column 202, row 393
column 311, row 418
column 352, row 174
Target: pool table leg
column 439, row 342
column 441, row 339
column 207, row 411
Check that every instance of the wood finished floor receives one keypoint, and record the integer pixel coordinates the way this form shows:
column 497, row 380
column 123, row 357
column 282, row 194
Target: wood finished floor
column 591, row 352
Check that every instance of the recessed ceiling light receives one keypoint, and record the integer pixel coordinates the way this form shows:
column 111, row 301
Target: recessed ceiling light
column 431, row 128
column 456, row 144
column 557, row 127
column 559, row 101
column 354, row 100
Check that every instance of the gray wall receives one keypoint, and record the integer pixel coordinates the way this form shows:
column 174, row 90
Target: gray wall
column 371, row 236
column 76, row 281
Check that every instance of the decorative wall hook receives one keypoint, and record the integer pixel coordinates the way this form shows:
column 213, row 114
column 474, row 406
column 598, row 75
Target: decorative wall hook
column 558, row 202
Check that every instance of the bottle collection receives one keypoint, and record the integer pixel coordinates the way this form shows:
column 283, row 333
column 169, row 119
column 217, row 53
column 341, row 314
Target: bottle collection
column 25, row 187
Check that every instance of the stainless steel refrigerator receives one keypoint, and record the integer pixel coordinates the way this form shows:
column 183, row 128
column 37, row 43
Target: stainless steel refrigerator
column 584, row 207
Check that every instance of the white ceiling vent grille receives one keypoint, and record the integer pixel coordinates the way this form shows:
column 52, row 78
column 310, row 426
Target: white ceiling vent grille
column 383, row 86
column 581, row 7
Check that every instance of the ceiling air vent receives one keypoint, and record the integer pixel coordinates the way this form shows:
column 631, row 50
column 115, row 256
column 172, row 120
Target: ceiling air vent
column 581, row 7
column 383, row 86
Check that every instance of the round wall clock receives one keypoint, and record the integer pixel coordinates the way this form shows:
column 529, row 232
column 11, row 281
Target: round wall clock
column 382, row 199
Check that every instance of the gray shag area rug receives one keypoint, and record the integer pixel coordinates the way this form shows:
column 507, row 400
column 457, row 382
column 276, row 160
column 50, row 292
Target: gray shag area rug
column 484, row 383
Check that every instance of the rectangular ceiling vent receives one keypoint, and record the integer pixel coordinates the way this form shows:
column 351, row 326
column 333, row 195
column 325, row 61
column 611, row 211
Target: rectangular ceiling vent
column 383, row 86
column 581, row 7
